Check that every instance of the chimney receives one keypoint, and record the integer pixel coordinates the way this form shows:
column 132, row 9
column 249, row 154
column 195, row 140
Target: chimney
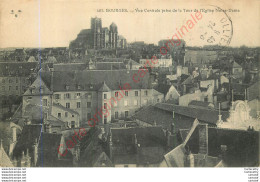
column 172, row 129
column 203, row 139
column 76, row 156
column 23, row 161
column 190, row 160
column 110, row 147
column 35, row 152
column 223, row 149
column 14, row 134
column 12, row 144
column 219, row 114
column 137, row 146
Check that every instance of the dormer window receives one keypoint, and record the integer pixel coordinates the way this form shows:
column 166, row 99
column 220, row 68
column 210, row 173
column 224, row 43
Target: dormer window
column 91, row 86
column 79, row 87
column 67, row 87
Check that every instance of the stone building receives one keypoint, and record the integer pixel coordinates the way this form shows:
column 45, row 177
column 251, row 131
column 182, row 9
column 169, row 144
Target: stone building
column 98, row 37
column 76, row 97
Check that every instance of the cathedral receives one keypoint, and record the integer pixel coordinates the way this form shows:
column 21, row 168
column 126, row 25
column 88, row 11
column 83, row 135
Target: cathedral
column 98, row 37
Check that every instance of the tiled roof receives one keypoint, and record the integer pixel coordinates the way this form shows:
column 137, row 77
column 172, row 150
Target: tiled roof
column 205, row 115
column 29, row 135
column 242, row 146
column 48, row 153
column 176, row 157
column 200, row 104
column 152, row 115
column 69, row 67
column 124, row 147
column 17, row 69
column 163, row 88
column 146, row 136
column 236, row 65
column 104, row 88
column 92, row 80
column 110, row 65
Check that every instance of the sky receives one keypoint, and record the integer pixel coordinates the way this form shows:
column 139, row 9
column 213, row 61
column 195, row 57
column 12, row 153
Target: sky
column 52, row 23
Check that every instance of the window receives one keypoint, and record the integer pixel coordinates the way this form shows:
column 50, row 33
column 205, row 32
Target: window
column 116, row 94
column 67, row 105
column 72, row 124
column 125, row 103
column 59, row 115
column 135, row 102
column 145, row 101
column 10, row 81
column 78, row 95
column 3, row 88
column 136, row 93
column 57, row 96
column 88, row 95
column 105, row 105
column 67, row 95
column 78, row 104
column 66, row 114
column 67, row 87
column 116, row 115
column 88, row 104
column 126, row 93
column 126, row 114
column 16, row 80
column 44, row 102
column 89, row 116
column 158, row 100
column 3, row 81
column 10, row 88
column 205, row 99
column 105, row 96
column 145, row 92
column 105, row 120
column 72, row 115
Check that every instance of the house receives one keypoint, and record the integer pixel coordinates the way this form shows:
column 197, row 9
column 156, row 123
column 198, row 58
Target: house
column 71, row 97
column 183, row 156
column 38, row 95
column 174, row 117
column 25, row 153
column 163, row 61
column 47, row 155
column 169, row 91
column 198, row 95
column 204, row 146
column 15, row 77
column 94, row 149
column 236, row 69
